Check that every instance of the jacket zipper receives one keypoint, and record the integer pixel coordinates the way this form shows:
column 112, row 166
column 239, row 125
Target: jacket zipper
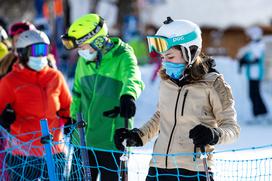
column 184, row 100
column 171, row 135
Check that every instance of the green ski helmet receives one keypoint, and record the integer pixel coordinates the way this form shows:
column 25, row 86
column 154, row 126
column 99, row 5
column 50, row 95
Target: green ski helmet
column 84, row 31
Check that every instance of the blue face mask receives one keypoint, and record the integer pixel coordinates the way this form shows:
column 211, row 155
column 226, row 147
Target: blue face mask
column 174, row 70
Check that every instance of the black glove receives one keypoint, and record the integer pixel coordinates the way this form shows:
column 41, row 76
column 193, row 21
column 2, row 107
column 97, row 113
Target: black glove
column 127, row 106
column 7, row 117
column 68, row 126
column 132, row 136
column 203, row 135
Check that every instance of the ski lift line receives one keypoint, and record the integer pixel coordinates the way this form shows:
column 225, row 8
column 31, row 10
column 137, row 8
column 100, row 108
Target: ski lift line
column 177, row 154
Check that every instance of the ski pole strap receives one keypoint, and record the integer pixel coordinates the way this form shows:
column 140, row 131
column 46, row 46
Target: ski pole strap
column 113, row 113
column 46, row 139
column 202, row 149
column 126, row 122
column 194, row 156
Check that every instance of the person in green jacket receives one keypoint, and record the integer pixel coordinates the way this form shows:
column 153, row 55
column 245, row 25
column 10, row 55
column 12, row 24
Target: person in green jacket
column 107, row 83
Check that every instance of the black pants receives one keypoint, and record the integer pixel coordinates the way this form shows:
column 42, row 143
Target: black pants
column 160, row 174
column 105, row 164
column 256, row 99
column 22, row 168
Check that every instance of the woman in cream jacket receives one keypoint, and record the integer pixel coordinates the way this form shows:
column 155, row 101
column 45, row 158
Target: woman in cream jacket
column 195, row 109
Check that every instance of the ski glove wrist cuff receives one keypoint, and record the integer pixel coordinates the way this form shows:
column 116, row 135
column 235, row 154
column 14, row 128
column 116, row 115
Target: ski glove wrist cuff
column 7, row 117
column 127, row 106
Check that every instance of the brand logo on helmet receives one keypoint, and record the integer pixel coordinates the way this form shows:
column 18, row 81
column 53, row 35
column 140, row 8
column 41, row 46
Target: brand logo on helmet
column 179, row 38
column 88, row 36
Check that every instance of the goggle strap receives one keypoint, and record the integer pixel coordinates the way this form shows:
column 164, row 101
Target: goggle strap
column 185, row 54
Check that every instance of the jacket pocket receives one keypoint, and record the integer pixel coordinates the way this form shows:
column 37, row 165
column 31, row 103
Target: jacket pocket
column 207, row 114
column 184, row 101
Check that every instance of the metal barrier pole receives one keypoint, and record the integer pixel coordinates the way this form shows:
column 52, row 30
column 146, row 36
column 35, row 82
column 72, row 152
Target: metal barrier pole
column 83, row 152
column 46, row 140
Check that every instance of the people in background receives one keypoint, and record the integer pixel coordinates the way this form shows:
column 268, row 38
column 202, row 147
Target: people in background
column 252, row 57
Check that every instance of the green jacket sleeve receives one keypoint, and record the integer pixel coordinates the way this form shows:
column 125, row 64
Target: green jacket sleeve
column 76, row 91
column 132, row 83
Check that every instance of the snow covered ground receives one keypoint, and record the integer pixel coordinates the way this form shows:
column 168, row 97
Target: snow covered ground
column 251, row 136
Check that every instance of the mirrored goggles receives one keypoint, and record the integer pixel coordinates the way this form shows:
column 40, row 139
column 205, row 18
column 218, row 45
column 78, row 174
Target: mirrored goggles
column 38, row 50
column 161, row 44
column 70, row 42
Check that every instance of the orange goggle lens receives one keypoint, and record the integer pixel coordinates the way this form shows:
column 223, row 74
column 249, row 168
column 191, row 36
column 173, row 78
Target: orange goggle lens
column 68, row 43
column 158, row 44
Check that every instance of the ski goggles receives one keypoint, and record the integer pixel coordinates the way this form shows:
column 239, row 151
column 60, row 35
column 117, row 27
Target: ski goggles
column 70, row 42
column 161, row 44
column 38, row 50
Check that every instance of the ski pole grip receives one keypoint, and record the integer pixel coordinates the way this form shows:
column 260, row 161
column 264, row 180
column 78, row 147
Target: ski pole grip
column 202, row 149
column 81, row 123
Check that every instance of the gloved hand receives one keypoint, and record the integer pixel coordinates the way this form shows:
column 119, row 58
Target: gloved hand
column 132, row 137
column 7, row 117
column 127, row 106
column 203, row 135
column 67, row 126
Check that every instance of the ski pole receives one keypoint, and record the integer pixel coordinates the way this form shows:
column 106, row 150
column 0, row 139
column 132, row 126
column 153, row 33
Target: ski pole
column 205, row 164
column 124, row 158
column 69, row 157
column 84, row 154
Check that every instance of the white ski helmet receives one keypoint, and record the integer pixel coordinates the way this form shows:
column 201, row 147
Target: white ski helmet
column 254, row 32
column 32, row 43
column 31, row 37
column 184, row 33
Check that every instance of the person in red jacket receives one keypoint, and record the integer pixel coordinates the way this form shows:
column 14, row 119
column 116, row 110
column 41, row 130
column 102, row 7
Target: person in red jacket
column 6, row 63
column 35, row 91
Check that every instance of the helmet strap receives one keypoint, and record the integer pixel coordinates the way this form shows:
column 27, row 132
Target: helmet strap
column 185, row 54
column 108, row 45
column 98, row 59
column 22, row 55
